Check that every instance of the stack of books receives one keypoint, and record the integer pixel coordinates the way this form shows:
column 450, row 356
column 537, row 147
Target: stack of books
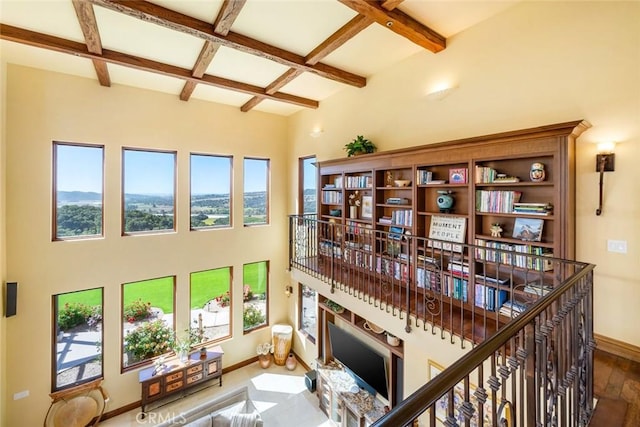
column 512, row 308
column 533, row 208
column 537, row 289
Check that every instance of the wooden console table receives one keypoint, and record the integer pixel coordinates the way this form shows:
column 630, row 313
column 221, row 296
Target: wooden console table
column 178, row 377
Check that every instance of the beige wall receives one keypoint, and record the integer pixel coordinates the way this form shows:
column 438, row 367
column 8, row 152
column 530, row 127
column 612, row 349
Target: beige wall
column 44, row 106
column 3, row 276
column 537, row 63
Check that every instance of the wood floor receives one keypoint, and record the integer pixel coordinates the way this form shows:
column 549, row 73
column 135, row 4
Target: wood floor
column 616, row 384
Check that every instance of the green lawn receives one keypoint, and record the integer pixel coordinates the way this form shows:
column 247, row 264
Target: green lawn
column 205, row 285
column 91, row 297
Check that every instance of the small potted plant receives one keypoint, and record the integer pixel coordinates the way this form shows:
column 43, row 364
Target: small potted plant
column 359, row 145
column 392, row 339
column 182, row 347
column 334, row 306
column 264, row 351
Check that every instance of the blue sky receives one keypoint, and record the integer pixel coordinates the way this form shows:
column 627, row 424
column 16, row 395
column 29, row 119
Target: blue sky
column 147, row 172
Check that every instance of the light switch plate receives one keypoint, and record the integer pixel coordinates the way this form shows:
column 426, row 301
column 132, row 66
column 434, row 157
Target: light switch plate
column 21, row 395
column 619, row 246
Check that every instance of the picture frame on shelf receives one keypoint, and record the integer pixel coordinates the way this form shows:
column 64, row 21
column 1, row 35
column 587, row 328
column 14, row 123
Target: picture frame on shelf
column 528, row 229
column 442, row 405
column 458, row 175
column 367, row 207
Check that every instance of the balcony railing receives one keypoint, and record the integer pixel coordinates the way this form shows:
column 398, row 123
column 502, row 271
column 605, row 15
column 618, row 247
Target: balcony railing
column 528, row 317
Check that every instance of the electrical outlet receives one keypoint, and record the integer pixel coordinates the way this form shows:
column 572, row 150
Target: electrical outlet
column 619, row 246
column 21, row 395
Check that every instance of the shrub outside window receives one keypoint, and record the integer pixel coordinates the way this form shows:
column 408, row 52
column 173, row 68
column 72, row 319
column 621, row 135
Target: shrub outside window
column 211, row 312
column 77, row 338
column 147, row 320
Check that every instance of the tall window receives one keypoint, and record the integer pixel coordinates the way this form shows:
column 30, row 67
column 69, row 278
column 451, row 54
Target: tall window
column 256, row 191
column 149, row 190
column 77, row 338
column 307, row 185
column 255, row 293
column 308, row 319
column 211, row 304
column 210, row 191
column 77, row 190
column 147, row 319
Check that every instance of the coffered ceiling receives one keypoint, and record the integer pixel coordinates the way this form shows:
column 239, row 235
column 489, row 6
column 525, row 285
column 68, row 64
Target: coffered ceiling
column 277, row 56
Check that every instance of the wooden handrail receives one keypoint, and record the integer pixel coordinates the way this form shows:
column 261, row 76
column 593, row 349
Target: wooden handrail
column 414, row 405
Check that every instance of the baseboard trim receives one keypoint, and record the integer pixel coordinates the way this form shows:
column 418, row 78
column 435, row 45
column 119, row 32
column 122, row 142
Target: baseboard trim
column 618, row 348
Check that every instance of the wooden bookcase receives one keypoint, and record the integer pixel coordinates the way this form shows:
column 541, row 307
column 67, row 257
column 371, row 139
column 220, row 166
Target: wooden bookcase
column 485, row 176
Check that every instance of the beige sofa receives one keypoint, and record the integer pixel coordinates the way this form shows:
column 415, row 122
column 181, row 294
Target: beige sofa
column 234, row 409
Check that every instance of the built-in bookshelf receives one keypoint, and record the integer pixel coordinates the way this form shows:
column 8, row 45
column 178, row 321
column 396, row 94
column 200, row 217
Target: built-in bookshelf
column 511, row 194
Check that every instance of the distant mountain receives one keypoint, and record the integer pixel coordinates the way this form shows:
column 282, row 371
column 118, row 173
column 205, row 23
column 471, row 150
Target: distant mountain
column 78, row 196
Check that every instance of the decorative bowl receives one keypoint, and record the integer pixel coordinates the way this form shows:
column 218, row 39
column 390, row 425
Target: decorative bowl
column 369, row 326
column 402, row 182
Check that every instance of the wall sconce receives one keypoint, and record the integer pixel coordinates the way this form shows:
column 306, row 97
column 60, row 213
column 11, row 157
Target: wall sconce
column 605, row 162
column 288, row 290
column 440, row 93
column 316, row 133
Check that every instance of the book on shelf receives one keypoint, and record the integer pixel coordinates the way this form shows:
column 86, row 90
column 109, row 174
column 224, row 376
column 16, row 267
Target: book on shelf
column 496, row 201
column 455, row 287
column 359, row 181
column 487, row 175
column 528, row 256
column 512, row 308
column 385, row 220
column 397, row 201
column 489, row 298
column 533, row 208
column 436, row 181
column 423, row 176
column 537, row 289
column 502, row 178
column 489, row 280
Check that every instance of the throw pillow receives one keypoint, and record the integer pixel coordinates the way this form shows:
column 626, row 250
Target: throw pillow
column 244, row 420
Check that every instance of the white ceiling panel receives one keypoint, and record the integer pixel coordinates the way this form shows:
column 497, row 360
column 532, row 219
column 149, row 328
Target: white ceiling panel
column 243, row 67
column 295, row 26
column 146, row 40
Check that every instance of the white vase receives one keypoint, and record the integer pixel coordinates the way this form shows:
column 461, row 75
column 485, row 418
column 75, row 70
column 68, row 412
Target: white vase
column 353, row 212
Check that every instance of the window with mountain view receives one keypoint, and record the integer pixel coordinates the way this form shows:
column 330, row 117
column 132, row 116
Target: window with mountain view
column 256, row 191
column 78, row 188
column 148, row 190
column 148, row 320
column 78, row 338
column 307, row 185
column 210, row 191
column 255, row 289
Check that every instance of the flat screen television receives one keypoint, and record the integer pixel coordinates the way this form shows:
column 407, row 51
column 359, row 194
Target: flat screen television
column 366, row 365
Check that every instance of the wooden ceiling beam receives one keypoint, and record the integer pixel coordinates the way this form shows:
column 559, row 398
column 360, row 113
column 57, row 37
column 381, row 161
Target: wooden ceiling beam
column 89, row 26
column 222, row 25
column 400, row 23
column 176, row 21
column 334, row 41
column 57, row 44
